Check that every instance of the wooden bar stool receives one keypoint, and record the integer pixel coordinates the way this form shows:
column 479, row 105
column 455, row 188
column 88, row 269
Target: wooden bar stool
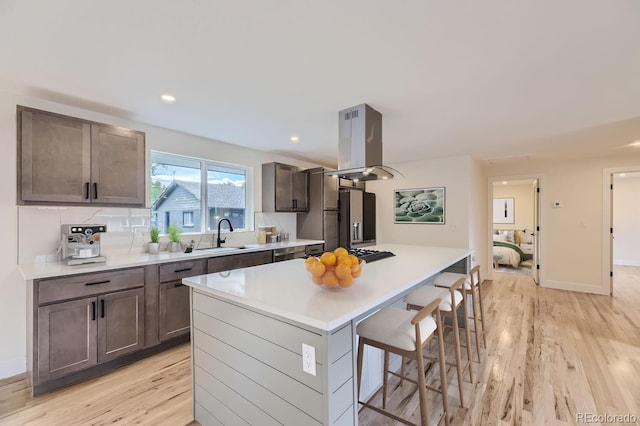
column 473, row 283
column 451, row 300
column 406, row 334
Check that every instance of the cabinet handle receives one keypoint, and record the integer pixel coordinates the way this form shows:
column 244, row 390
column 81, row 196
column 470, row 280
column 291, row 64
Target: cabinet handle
column 178, row 285
column 182, row 270
column 93, row 311
column 95, row 190
column 99, row 282
column 294, row 204
column 102, row 308
column 86, row 191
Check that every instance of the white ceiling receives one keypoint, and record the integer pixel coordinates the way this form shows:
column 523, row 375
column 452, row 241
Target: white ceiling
column 489, row 78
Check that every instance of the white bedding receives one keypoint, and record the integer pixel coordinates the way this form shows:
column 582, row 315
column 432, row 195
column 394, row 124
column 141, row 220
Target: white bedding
column 506, row 256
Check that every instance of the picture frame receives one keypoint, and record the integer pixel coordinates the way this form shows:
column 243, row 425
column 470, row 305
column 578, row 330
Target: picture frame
column 503, row 210
column 420, row 205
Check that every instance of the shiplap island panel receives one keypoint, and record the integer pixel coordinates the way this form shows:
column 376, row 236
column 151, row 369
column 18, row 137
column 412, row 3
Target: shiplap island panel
column 249, row 327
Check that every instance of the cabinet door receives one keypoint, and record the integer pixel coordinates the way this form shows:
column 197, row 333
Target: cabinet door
column 175, row 317
column 300, row 190
column 284, row 181
column 66, row 338
column 120, row 323
column 54, row 158
column 117, row 166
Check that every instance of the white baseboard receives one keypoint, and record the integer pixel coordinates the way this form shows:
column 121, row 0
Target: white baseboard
column 12, row 367
column 580, row 287
column 626, row 262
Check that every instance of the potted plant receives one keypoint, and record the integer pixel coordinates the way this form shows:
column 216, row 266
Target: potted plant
column 154, row 245
column 174, row 238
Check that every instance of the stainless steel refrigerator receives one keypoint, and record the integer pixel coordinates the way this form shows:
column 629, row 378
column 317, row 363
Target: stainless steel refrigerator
column 357, row 218
column 321, row 221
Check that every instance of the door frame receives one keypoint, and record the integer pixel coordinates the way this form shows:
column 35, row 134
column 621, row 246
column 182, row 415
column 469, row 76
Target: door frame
column 541, row 241
column 607, row 221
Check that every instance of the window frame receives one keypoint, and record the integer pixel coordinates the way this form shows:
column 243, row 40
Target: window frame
column 205, row 165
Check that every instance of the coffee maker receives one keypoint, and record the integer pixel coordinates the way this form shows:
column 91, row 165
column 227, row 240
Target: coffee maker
column 81, row 244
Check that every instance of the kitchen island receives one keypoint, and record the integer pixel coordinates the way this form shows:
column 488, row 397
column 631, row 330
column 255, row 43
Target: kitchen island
column 271, row 347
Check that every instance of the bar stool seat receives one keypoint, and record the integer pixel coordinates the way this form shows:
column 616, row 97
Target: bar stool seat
column 450, row 300
column 404, row 333
column 472, row 283
column 427, row 293
column 447, row 279
column 392, row 326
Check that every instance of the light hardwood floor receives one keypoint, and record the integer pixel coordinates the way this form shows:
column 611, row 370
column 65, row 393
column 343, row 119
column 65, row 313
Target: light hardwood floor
column 551, row 355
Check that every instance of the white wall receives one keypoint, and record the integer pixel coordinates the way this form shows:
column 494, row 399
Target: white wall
column 626, row 221
column 455, row 174
column 523, row 204
column 571, row 236
column 13, row 310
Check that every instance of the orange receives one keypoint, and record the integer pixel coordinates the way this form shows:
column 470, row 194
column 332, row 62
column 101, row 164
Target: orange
column 328, row 258
column 308, row 261
column 343, row 271
column 317, row 280
column 330, row 279
column 343, row 259
column 341, row 251
column 317, row 269
column 356, row 270
column 345, row 282
column 354, row 259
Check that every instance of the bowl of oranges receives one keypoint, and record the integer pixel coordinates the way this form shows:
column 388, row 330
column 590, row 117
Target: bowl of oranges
column 334, row 269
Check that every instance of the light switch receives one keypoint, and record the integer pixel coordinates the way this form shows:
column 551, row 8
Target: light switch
column 309, row 359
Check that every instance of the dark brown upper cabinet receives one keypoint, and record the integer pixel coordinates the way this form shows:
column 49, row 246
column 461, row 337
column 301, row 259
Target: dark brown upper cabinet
column 65, row 160
column 285, row 188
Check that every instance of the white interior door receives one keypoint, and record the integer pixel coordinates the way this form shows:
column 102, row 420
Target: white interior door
column 536, row 231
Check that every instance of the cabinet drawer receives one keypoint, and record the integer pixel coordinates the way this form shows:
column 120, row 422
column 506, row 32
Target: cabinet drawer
column 313, row 249
column 179, row 270
column 84, row 285
column 245, row 260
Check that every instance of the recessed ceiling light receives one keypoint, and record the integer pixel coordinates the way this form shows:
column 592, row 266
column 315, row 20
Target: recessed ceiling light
column 294, row 139
column 504, row 182
column 168, row 98
column 636, row 143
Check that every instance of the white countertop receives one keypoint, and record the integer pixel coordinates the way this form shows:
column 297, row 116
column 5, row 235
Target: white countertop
column 31, row 271
column 285, row 289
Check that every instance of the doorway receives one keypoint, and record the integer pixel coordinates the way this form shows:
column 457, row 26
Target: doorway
column 624, row 225
column 514, row 229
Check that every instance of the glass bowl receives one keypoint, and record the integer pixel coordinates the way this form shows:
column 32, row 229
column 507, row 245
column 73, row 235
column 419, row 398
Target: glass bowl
column 337, row 276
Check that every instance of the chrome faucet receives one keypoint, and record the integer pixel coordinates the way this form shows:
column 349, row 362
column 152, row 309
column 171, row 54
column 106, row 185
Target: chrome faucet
column 220, row 241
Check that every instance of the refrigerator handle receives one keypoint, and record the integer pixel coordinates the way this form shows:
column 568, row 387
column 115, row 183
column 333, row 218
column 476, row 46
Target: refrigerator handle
column 356, row 231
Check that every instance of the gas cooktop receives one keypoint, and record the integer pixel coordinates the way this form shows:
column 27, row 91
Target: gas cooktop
column 370, row 255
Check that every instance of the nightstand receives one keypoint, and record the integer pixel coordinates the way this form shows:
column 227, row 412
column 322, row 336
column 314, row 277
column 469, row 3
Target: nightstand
column 527, row 249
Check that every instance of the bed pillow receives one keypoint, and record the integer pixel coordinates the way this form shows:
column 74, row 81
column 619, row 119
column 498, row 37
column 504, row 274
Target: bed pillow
column 508, row 236
column 498, row 237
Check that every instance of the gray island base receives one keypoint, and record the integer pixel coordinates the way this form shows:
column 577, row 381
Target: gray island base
column 270, row 347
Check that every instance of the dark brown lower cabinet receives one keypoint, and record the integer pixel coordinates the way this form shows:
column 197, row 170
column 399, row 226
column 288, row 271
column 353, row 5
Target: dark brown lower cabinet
column 79, row 334
column 175, row 316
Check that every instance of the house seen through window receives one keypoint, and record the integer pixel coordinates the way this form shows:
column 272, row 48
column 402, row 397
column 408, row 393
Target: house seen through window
column 179, row 196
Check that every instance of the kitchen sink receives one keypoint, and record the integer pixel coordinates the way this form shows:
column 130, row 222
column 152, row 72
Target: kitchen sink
column 229, row 248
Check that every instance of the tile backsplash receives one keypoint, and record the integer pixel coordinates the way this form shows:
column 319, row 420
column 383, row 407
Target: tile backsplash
column 127, row 230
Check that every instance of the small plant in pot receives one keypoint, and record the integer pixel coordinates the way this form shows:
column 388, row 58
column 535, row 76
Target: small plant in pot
column 154, row 244
column 174, row 238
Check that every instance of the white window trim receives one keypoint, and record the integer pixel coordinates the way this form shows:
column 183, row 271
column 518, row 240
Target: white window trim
column 204, row 164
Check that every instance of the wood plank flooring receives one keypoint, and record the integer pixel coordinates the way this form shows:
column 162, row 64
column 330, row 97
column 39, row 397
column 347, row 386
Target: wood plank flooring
column 551, row 355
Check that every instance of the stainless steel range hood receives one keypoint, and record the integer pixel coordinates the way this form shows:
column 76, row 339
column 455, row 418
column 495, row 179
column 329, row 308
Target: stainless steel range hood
column 360, row 145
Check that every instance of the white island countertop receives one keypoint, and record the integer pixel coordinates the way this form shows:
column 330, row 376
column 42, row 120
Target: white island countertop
column 126, row 259
column 285, row 289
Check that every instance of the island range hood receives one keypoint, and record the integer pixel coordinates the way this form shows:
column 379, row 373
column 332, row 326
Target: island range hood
column 360, row 145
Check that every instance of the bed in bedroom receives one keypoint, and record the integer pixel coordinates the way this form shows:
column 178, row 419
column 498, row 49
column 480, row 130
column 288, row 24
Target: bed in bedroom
column 506, row 250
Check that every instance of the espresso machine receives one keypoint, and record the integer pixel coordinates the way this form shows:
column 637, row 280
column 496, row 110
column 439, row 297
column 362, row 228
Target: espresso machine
column 81, row 244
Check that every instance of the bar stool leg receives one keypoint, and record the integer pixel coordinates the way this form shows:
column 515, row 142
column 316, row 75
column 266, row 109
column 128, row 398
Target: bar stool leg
column 385, row 379
column 467, row 324
column 484, row 338
column 475, row 321
column 456, row 335
column 360, row 355
column 443, row 371
column 422, row 389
